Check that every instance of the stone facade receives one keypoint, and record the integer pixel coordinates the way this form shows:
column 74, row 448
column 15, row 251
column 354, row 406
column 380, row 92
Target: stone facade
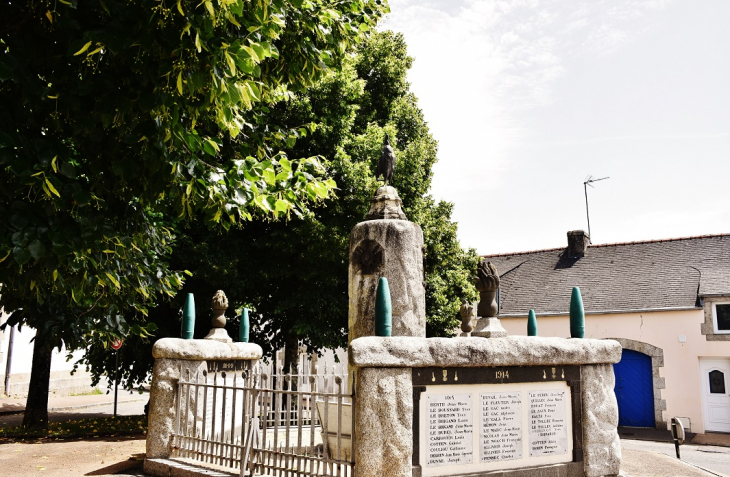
column 708, row 326
column 163, row 402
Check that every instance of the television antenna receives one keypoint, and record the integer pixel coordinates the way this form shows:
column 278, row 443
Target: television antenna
column 587, row 183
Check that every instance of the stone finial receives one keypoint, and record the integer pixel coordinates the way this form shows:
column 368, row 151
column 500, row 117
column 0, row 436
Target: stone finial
column 386, row 204
column 487, row 283
column 467, row 314
column 219, row 301
column 219, row 304
column 487, row 277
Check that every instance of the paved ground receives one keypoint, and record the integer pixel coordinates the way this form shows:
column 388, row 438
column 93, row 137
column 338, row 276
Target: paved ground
column 646, row 452
column 119, row 456
column 647, row 459
column 98, row 456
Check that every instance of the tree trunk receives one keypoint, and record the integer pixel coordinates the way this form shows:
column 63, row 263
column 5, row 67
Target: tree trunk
column 36, row 407
column 291, row 360
column 291, row 354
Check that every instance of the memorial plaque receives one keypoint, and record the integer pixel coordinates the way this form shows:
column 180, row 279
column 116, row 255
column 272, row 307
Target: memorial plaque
column 449, row 438
column 500, row 426
column 548, row 423
column 518, row 418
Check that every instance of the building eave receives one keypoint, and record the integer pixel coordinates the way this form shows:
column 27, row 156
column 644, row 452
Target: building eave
column 604, row 312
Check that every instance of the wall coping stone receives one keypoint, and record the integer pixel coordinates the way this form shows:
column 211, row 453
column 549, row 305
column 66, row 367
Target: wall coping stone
column 414, row 352
column 177, row 348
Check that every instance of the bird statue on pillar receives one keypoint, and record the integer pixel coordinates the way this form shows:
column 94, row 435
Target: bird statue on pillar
column 386, row 165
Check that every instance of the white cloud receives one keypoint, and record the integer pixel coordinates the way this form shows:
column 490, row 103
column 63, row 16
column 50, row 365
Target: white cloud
column 522, row 97
column 480, row 64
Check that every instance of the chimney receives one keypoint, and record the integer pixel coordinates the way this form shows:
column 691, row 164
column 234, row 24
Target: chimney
column 578, row 242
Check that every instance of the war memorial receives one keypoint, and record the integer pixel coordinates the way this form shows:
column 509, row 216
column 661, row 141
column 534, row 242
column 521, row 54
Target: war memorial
column 480, row 404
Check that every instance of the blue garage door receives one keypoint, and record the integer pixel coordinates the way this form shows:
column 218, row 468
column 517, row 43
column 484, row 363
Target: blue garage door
column 634, row 390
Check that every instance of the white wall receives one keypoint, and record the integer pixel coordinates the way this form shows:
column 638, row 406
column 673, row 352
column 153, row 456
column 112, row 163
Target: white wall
column 662, row 329
column 22, row 360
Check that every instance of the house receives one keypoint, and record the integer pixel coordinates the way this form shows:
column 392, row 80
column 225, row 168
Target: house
column 666, row 301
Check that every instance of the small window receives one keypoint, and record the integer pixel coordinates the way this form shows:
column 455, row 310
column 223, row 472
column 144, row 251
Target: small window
column 722, row 317
column 717, row 382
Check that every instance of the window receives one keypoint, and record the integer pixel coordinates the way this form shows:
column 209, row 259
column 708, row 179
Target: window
column 721, row 312
column 717, row 382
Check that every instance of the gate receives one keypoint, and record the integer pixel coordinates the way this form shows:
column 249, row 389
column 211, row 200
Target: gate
column 265, row 422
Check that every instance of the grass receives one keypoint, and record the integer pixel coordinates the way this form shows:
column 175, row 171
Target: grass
column 108, row 426
column 93, row 392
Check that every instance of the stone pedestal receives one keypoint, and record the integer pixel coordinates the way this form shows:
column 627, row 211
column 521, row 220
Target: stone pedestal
column 489, row 328
column 173, row 356
column 219, row 334
column 386, row 204
column 391, row 249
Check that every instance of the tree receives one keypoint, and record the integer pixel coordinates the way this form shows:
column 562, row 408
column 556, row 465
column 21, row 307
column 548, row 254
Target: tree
column 294, row 275
column 115, row 118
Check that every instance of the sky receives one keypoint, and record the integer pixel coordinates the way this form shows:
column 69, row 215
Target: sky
column 529, row 98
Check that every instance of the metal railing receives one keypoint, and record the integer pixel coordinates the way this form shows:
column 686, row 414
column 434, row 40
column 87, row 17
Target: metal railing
column 264, row 422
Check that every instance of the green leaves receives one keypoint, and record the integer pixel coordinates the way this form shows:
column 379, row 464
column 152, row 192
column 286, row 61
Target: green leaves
column 36, row 249
column 83, row 48
column 117, row 117
column 22, row 255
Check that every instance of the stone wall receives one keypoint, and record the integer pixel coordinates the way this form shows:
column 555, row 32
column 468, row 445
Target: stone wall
column 385, row 394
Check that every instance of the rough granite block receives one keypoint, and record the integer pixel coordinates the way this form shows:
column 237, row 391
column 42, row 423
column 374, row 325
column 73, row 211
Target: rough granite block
column 372, row 351
column 176, row 348
column 601, row 445
column 383, row 422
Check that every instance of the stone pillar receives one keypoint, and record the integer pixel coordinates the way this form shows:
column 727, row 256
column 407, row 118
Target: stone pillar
column 173, row 355
column 392, row 249
column 383, row 422
column 601, row 444
column 387, row 245
column 163, row 402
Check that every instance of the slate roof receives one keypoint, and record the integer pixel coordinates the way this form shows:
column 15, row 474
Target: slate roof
column 661, row 274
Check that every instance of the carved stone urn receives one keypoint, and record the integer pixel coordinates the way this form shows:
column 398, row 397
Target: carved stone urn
column 219, row 304
column 467, row 313
column 487, row 283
